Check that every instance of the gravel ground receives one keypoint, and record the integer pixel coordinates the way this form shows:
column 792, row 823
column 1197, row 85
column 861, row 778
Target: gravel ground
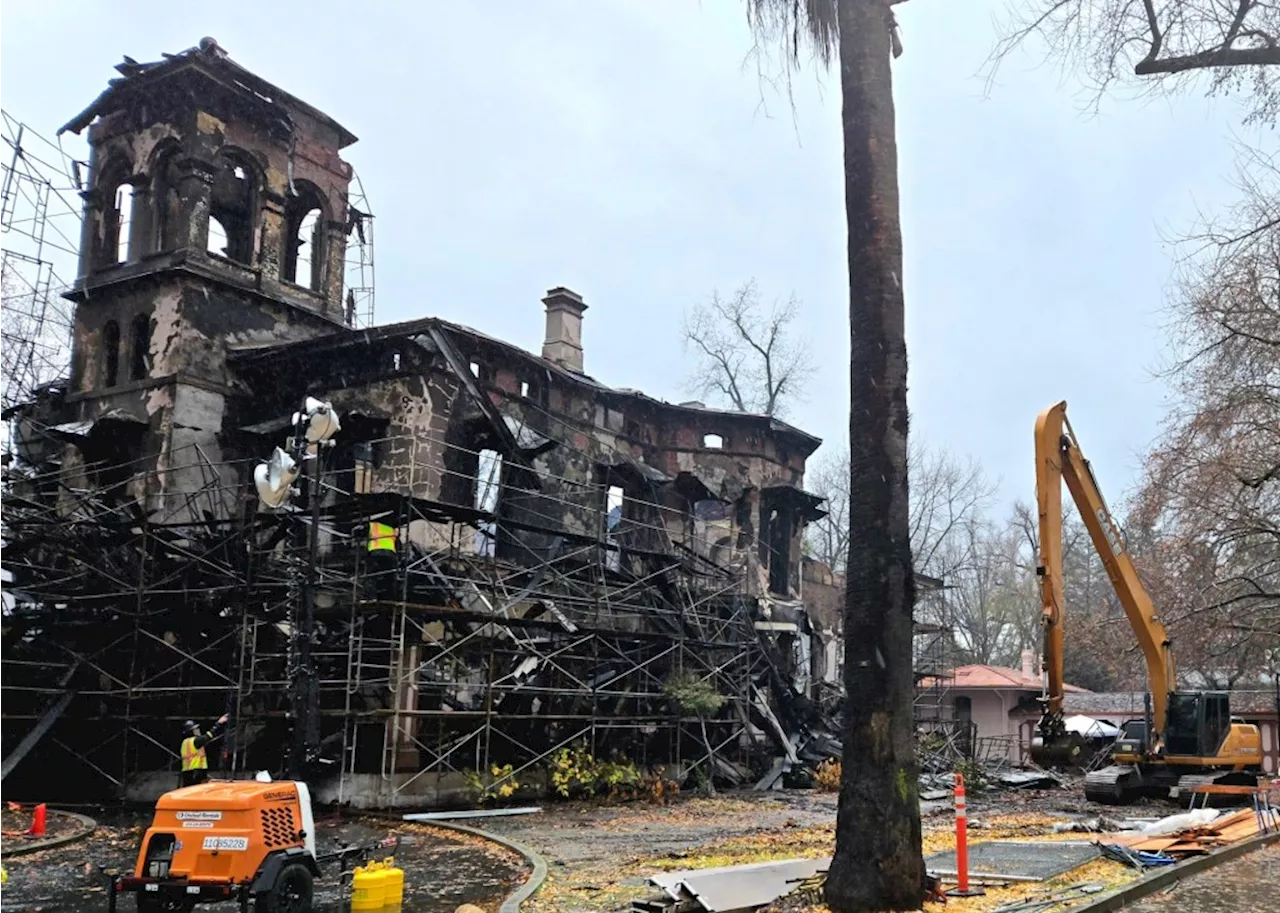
column 599, row 854
column 442, row 869
column 585, row 833
column 16, row 822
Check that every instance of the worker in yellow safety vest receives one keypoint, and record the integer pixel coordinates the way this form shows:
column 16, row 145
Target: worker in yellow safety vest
column 195, row 761
column 382, row 560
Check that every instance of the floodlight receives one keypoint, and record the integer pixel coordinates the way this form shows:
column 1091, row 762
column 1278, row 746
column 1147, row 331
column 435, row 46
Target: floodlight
column 320, row 418
column 274, row 479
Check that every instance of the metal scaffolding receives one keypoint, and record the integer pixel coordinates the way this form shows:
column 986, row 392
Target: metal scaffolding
column 941, row 736
column 462, row 658
column 40, row 231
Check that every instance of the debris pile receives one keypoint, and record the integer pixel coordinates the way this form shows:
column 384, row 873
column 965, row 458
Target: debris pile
column 1199, row 836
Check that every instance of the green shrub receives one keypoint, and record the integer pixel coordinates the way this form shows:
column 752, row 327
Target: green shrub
column 693, row 694
column 486, row 788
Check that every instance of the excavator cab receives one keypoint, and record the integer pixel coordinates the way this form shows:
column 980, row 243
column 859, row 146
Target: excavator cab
column 1197, row 723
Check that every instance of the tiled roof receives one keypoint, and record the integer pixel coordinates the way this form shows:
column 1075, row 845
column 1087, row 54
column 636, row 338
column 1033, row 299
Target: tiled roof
column 981, row 676
column 1130, row 703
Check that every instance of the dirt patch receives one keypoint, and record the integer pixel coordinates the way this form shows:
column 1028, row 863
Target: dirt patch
column 601, row 855
column 17, row 821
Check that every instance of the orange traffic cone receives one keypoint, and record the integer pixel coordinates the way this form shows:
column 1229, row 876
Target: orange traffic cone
column 37, row 822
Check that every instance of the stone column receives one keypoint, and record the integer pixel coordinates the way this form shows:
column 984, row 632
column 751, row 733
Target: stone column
column 195, row 196
column 271, row 234
column 335, row 252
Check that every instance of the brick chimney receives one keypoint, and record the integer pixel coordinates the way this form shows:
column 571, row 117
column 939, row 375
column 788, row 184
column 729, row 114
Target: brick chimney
column 1029, row 664
column 563, row 343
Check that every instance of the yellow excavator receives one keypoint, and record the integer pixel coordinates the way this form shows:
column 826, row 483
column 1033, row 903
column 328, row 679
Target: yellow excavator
column 1187, row 738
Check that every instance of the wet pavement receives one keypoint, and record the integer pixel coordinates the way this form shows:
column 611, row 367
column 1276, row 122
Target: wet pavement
column 442, row 870
column 1244, row 885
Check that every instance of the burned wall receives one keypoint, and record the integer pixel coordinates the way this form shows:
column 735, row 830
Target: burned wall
column 688, row 475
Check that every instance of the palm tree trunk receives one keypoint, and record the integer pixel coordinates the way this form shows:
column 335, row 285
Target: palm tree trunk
column 878, row 863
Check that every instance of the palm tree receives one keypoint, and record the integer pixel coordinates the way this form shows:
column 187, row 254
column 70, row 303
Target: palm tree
column 878, row 863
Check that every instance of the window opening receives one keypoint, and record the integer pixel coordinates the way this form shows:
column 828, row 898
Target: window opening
column 304, row 239
column 524, row 389
column 111, row 345
column 713, row 441
column 363, row 480
column 112, row 245
column 111, row 454
column 217, row 237
column 776, row 529
column 614, row 500
column 306, row 264
column 712, row 523
column 488, row 488
column 475, row 368
column 308, row 247
column 124, row 221
column 233, row 208
column 139, row 344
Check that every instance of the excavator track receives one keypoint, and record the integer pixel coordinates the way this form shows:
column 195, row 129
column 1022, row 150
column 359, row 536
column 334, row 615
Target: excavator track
column 1117, row 784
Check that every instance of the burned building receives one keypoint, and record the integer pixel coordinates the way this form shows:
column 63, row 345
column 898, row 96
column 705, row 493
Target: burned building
column 563, row 553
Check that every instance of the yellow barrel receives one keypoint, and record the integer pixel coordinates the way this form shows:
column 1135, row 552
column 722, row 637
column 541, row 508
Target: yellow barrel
column 394, row 884
column 379, row 870
column 366, row 889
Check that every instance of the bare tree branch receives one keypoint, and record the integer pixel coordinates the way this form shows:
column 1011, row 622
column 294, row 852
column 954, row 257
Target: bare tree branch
column 946, row 493
column 1234, row 43
column 1211, row 485
column 746, row 355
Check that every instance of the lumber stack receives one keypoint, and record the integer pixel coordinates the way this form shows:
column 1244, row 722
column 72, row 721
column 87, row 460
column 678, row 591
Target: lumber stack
column 1193, row 841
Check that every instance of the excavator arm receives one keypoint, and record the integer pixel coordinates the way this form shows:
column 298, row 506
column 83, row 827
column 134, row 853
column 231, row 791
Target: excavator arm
column 1059, row 459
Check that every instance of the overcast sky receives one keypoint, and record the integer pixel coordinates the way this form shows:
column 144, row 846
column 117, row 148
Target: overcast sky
column 624, row 149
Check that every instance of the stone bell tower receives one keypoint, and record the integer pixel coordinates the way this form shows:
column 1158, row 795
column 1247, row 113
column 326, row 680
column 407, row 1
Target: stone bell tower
column 216, row 217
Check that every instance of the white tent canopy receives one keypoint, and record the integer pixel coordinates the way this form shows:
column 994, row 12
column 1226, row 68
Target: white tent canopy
column 1090, row 728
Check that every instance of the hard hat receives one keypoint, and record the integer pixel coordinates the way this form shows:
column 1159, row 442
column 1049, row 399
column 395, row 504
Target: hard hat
column 189, row 726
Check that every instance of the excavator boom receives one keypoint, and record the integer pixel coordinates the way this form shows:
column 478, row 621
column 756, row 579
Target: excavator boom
column 1190, row 738
column 1059, row 459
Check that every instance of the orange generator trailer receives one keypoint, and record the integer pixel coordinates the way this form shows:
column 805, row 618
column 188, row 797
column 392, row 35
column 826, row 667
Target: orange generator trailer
column 243, row 840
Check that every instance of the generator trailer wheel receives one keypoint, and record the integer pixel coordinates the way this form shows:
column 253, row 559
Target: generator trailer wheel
column 292, row 892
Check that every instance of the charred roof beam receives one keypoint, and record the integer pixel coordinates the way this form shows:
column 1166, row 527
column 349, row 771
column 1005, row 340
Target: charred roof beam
column 458, row 365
